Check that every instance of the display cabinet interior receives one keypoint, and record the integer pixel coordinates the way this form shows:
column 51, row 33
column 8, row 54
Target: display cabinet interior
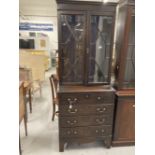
column 85, row 42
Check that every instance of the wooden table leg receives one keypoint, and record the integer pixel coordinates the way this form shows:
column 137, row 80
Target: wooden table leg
column 20, row 150
column 25, row 124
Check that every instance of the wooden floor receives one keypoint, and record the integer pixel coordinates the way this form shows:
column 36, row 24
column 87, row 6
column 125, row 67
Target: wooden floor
column 43, row 133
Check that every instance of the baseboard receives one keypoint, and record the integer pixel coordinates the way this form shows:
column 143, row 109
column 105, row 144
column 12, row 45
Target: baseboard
column 123, row 143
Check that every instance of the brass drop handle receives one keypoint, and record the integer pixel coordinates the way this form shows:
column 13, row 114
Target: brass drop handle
column 73, row 132
column 102, row 131
column 72, row 122
column 71, row 102
column 74, row 100
column 100, row 120
column 99, row 98
column 72, row 111
column 69, row 99
column 70, row 106
column 87, row 96
column 87, row 50
column 101, row 109
column 104, row 109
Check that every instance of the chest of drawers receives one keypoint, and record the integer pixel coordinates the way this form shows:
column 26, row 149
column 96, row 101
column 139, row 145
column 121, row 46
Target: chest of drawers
column 86, row 114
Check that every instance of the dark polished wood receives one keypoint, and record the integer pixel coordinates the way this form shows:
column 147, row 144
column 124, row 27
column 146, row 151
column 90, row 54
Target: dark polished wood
column 125, row 46
column 24, row 75
column 54, row 84
column 86, row 114
column 22, row 111
column 124, row 127
column 30, row 99
column 28, row 95
column 124, row 122
column 86, row 99
column 85, row 120
column 22, row 106
column 20, row 149
column 78, row 62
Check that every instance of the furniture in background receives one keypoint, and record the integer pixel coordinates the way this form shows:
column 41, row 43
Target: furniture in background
column 44, row 53
column 54, row 85
column 36, row 64
column 124, row 132
column 25, row 75
column 53, row 56
column 22, row 110
column 86, row 99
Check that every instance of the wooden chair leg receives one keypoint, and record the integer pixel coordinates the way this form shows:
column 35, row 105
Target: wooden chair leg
column 20, row 150
column 25, row 124
column 33, row 94
column 30, row 101
column 26, row 112
column 53, row 115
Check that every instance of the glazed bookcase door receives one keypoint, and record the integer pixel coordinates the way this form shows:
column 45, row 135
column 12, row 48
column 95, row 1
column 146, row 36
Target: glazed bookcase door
column 129, row 74
column 72, row 45
column 100, row 48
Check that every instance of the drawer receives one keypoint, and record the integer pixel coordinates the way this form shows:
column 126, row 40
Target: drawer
column 81, row 98
column 97, row 131
column 91, row 131
column 85, row 120
column 86, row 109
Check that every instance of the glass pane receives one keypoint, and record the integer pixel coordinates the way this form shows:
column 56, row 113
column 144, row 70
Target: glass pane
column 99, row 56
column 72, row 27
column 129, row 78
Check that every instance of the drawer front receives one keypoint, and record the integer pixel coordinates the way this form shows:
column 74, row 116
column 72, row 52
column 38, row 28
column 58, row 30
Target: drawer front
column 85, row 121
column 85, row 109
column 85, row 139
column 86, row 98
column 91, row 131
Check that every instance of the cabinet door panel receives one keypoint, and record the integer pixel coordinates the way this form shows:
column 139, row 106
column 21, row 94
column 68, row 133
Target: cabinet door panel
column 125, row 121
column 129, row 77
column 72, row 47
column 101, row 30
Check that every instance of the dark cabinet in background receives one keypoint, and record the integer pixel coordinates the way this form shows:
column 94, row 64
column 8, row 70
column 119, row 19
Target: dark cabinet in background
column 125, row 45
column 124, row 118
column 124, row 126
